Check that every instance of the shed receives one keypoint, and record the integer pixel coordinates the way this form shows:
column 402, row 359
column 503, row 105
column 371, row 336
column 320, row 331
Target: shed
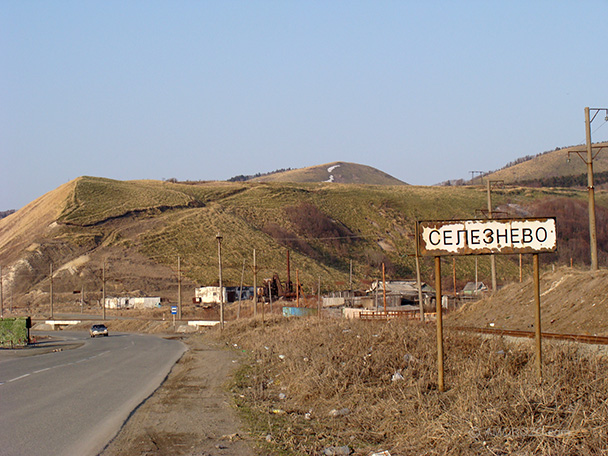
column 474, row 288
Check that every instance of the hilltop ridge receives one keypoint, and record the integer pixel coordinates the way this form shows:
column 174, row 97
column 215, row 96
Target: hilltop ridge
column 556, row 163
column 336, row 172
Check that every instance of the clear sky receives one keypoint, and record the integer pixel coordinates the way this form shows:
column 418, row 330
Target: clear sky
column 205, row 90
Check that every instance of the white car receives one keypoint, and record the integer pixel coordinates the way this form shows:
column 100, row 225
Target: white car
column 98, row 330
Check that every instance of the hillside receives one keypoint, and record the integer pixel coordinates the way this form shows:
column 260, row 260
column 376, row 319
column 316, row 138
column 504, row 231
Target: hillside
column 140, row 228
column 552, row 164
column 572, row 302
column 338, row 172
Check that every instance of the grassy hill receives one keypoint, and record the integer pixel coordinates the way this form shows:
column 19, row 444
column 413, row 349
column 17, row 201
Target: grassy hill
column 553, row 164
column 140, row 228
column 338, row 172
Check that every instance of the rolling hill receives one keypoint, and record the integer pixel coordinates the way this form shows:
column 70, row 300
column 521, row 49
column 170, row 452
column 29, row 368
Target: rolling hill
column 338, row 172
column 139, row 229
column 556, row 163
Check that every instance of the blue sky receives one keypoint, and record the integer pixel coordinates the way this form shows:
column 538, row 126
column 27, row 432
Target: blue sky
column 205, row 90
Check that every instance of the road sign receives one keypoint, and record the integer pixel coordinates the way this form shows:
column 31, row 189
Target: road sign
column 173, row 310
column 486, row 237
column 483, row 237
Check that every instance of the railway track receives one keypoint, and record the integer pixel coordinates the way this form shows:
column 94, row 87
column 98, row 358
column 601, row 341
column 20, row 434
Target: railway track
column 581, row 338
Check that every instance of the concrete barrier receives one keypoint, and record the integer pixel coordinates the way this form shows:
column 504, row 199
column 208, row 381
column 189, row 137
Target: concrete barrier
column 205, row 323
column 60, row 323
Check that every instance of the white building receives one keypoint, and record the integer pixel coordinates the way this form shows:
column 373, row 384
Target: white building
column 210, row 295
column 133, row 303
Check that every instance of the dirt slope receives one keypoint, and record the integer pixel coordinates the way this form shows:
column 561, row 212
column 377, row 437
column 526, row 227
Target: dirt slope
column 34, row 219
column 572, row 302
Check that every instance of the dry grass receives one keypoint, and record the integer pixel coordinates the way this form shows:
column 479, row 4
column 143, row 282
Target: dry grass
column 494, row 403
column 97, row 199
column 553, row 163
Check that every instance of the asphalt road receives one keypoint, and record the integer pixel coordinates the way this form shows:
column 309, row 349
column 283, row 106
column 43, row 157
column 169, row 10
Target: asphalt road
column 72, row 401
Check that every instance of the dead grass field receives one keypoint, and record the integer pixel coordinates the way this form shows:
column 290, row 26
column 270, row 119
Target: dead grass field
column 311, row 385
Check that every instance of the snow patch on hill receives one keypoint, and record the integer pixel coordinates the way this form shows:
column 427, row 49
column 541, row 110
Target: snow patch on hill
column 330, row 170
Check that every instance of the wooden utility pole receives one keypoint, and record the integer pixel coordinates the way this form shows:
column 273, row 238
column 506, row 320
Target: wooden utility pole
column 492, row 257
column 288, row 284
column 384, row 286
column 319, row 297
column 219, row 259
column 590, row 183
column 255, row 286
column 263, row 307
column 1, row 296
column 179, row 288
column 298, row 287
column 103, row 290
column 270, row 296
column 591, row 190
column 238, row 311
column 51, row 291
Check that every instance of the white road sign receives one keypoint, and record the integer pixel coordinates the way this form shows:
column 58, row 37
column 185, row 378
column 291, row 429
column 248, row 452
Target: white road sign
column 478, row 237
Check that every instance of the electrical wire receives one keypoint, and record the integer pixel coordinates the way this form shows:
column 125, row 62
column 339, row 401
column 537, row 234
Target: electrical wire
column 599, row 127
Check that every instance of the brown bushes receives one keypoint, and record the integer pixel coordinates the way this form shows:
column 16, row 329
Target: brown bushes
column 318, row 383
column 573, row 229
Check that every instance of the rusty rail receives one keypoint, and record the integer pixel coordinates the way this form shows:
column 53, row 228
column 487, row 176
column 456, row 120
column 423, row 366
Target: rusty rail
column 582, row 338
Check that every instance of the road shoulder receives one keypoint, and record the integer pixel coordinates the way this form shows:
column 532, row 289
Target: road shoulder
column 190, row 413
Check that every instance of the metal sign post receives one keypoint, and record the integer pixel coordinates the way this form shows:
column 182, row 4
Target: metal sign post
column 439, row 309
column 486, row 237
column 537, row 328
column 173, row 312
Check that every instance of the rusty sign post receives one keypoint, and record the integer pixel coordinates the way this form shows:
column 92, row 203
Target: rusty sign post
column 486, row 237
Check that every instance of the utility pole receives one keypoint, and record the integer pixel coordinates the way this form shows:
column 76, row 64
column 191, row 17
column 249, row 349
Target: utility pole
column 179, row 288
column 103, row 290
column 492, row 257
column 238, row 312
column 1, row 296
column 351, row 276
column 590, row 186
column 270, row 296
column 479, row 174
column 255, row 286
column 384, row 287
column 319, row 297
column 51, row 290
column 219, row 259
column 298, row 287
column 588, row 159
